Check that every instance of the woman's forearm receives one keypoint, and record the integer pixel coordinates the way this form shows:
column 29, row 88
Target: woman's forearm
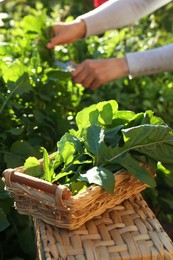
column 118, row 13
column 151, row 61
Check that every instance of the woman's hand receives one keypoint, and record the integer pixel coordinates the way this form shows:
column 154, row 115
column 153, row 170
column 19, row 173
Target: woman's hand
column 67, row 32
column 94, row 73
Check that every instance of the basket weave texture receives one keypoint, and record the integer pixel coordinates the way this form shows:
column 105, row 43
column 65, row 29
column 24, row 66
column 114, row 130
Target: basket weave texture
column 129, row 231
column 52, row 203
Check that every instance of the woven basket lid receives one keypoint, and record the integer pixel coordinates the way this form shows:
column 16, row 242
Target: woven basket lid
column 129, row 231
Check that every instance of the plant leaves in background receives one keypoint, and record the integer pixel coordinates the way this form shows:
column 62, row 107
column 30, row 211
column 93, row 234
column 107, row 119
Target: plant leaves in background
column 4, row 223
column 32, row 167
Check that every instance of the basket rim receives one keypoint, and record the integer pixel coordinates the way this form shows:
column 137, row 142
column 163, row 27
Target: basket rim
column 17, row 175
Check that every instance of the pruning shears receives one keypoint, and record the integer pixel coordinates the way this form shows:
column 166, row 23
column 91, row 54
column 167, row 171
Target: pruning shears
column 67, row 66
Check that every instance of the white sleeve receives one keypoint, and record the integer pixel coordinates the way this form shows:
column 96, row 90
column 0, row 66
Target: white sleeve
column 116, row 14
column 151, row 61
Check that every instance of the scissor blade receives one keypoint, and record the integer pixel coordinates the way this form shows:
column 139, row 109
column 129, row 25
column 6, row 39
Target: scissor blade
column 65, row 66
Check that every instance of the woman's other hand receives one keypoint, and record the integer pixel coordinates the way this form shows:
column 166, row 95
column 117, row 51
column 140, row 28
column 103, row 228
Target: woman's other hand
column 67, row 32
column 94, row 73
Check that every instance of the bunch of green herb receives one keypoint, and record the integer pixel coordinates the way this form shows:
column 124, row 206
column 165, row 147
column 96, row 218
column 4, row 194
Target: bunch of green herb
column 107, row 140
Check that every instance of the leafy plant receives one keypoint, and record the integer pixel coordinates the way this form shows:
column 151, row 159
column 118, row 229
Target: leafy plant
column 107, row 140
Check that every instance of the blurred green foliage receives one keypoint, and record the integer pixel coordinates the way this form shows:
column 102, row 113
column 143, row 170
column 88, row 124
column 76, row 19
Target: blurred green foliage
column 38, row 103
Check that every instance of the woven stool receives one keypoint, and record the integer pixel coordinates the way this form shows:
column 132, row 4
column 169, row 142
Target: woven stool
column 129, row 231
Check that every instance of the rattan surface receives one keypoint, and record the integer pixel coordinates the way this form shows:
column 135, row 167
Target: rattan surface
column 73, row 212
column 129, row 231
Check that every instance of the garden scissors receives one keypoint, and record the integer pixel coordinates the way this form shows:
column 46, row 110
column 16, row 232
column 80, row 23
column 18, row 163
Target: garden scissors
column 67, row 66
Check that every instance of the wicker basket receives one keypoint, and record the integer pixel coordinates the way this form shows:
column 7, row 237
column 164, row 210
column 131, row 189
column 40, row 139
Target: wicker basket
column 53, row 203
column 129, row 231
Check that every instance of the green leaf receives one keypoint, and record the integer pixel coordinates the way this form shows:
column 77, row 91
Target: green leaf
column 113, row 135
column 61, row 175
column 100, row 176
column 4, row 221
column 68, row 146
column 13, row 72
column 122, row 117
column 57, row 74
column 137, row 169
column 101, row 113
column 106, row 114
column 32, row 167
column 144, row 118
column 18, row 152
column 77, row 187
column 94, row 142
column 155, row 141
column 78, row 145
column 32, row 23
column 107, row 106
column 19, row 87
column 16, row 131
column 57, row 160
column 47, row 166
